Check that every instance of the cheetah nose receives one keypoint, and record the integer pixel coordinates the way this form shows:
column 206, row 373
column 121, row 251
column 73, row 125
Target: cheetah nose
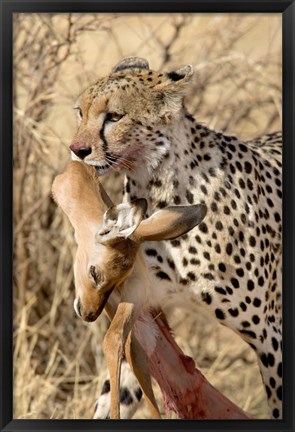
column 81, row 152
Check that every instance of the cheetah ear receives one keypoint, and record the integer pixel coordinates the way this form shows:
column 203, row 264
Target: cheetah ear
column 182, row 75
column 176, row 80
column 131, row 63
column 172, row 90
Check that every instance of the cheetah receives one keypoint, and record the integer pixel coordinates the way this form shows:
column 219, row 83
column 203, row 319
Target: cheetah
column 135, row 121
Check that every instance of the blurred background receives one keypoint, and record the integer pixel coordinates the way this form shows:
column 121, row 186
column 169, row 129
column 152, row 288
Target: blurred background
column 58, row 362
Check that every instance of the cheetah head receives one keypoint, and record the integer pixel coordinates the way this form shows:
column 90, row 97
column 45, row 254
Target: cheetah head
column 122, row 117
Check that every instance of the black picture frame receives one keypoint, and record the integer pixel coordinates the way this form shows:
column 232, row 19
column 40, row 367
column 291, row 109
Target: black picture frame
column 8, row 7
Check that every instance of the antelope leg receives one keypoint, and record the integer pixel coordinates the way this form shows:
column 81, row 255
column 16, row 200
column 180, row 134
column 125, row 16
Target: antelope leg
column 113, row 346
column 137, row 360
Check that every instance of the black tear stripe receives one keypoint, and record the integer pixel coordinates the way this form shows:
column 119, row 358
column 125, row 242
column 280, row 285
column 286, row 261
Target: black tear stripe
column 125, row 396
column 105, row 145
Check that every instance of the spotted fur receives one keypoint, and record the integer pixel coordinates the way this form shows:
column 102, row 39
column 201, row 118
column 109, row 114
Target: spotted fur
column 130, row 395
column 134, row 120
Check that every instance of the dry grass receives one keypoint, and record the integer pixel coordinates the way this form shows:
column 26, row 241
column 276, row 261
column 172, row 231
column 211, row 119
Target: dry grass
column 58, row 358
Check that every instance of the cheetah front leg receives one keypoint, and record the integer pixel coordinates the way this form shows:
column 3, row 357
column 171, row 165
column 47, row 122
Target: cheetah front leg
column 130, row 395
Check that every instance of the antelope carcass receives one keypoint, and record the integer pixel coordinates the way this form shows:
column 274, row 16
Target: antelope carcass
column 111, row 273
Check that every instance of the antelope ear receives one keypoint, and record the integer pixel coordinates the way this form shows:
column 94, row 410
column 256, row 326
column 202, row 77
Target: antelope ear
column 120, row 221
column 169, row 223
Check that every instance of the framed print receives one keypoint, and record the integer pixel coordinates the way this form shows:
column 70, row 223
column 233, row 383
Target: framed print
column 142, row 174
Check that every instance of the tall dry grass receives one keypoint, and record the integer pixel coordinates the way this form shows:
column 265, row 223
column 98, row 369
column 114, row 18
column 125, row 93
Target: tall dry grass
column 58, row 361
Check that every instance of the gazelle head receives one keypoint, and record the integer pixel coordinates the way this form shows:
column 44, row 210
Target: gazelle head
column 108, row 236
column 106, row 259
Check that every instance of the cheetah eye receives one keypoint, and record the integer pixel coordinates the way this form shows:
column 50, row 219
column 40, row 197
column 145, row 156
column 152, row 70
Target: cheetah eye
column 114, row 117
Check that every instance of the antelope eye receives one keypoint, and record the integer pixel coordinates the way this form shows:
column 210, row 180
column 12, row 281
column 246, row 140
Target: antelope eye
column 96, row 275
column 114, row 117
